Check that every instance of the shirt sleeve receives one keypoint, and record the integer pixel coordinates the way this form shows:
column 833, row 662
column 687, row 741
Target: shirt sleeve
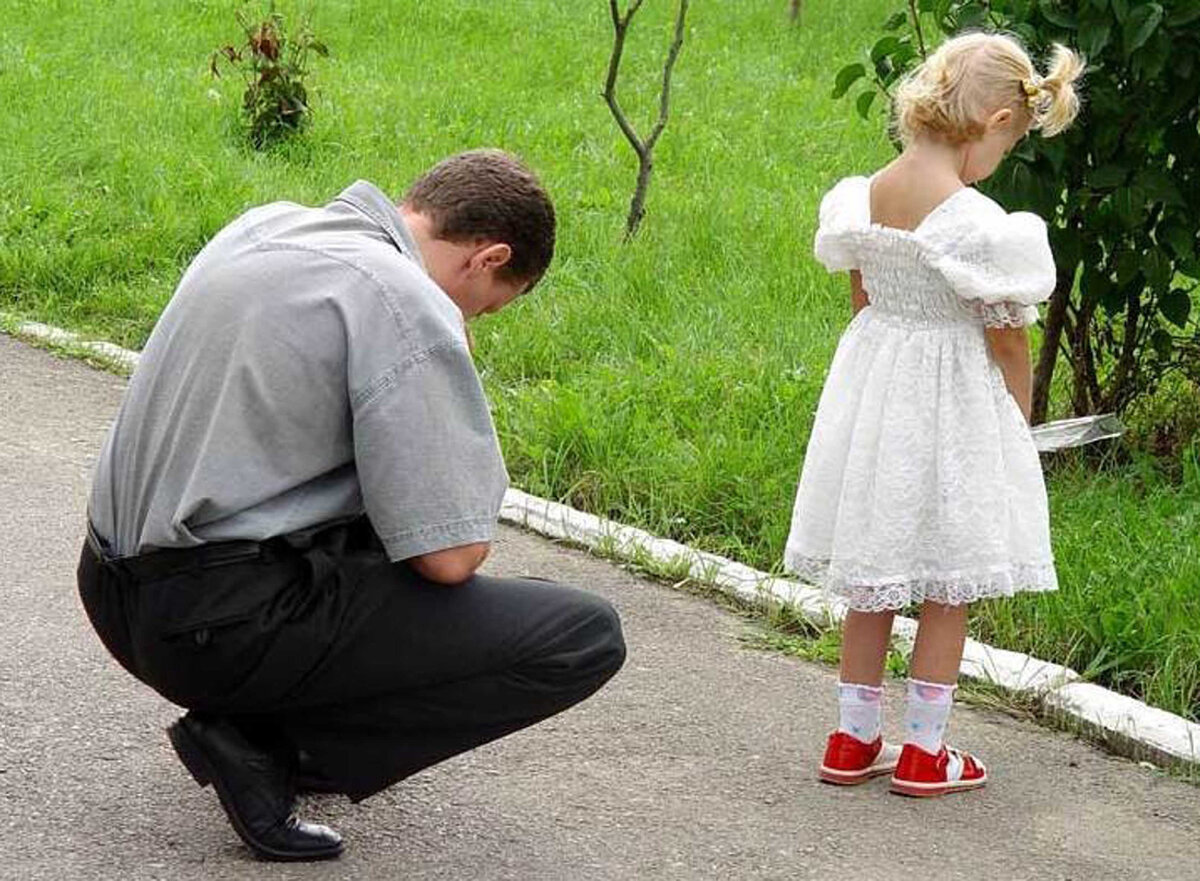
column 428, row 460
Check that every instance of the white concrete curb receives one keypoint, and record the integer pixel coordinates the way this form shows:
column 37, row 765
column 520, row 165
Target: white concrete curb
column 72, row 342
column 1145, row 731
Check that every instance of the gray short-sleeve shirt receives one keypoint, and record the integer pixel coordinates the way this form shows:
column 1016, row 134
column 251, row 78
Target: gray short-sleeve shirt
column 306, row 370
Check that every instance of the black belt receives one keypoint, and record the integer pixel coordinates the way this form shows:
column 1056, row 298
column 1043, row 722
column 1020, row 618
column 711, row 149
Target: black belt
column 171, row 561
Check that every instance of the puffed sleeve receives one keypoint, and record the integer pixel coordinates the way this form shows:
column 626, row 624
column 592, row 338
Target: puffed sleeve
column 845, row 213
column 1000, row 262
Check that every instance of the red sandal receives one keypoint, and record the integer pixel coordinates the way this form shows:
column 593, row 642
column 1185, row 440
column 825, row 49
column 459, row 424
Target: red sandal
column 926, row 775
column 850, row 761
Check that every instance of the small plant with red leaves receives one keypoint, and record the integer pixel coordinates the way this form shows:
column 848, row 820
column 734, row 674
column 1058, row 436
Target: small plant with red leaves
column 274, row 65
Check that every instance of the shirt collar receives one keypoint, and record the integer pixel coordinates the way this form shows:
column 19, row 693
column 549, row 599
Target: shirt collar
column 371, row 201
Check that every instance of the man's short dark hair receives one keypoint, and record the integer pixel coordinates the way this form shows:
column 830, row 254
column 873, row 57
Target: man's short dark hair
column 490, row 194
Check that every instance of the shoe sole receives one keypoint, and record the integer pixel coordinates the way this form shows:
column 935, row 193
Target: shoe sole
column 852, row 778
column 935, row 790
column 194, row 758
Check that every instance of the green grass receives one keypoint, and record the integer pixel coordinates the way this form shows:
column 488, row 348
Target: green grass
column 669, row 383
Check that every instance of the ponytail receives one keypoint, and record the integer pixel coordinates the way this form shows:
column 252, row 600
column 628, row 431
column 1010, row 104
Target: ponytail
column 1058, row 103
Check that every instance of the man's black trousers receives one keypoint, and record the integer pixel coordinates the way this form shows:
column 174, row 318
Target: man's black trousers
column 326, row 646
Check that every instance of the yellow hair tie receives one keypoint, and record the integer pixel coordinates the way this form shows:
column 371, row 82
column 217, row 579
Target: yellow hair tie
column 1032, row 90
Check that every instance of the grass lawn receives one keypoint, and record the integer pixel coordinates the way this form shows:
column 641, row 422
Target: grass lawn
column 669, row 383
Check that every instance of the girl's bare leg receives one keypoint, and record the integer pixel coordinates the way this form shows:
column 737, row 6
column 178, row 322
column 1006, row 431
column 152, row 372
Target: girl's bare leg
column 939, row 647
column 865, row 637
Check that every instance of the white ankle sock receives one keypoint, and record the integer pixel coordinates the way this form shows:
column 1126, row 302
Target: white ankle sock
column 861, row 709
column 927, row 713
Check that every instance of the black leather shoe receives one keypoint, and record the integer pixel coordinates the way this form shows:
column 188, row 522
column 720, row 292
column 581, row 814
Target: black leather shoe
column 254, row 787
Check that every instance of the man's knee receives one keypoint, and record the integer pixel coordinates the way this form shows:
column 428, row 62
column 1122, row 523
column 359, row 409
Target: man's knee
column 608, row 639
column 589, row 645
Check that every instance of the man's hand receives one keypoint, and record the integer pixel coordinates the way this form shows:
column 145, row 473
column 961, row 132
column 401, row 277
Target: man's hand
column 453, row 565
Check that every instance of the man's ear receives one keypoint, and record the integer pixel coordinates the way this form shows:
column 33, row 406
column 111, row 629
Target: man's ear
column 494, row 256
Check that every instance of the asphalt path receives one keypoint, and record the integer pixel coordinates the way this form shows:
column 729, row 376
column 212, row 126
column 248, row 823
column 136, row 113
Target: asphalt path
column 696, row 761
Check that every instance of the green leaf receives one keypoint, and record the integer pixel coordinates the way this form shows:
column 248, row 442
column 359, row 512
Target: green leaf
column 1157, row 269
column 1141, row 23
column 1176, row 307
column 895, row 21
column 1180, row 239
column 1108, row 176
column 1021, row 9
column 864, row 102
column 1115, row 300
column 1120, row 9
column 1093, row 36
column 1095, row 284
column 1130, row 203
column 1027, row 32
column 1185, row 12
column 1026, row 150
column 1068, row 249
column 972, row 15
column 1185, row 64
column 1163, row 344
column 1053, row 12
column 846, row 77
column 1190, row 267
column 1055, row 150
column 1160, row 187
column 903, row 55
column 884, row 46
column 1148, row 63
column 1128, row 264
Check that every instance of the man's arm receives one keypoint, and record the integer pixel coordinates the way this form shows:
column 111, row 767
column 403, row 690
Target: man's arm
column 453, row 565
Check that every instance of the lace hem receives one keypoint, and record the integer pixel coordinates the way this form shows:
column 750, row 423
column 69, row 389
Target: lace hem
column 951, row 589
column 1007, row 314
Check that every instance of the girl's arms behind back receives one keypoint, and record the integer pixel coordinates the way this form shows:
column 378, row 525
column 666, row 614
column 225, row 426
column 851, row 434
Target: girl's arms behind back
column 858, row 297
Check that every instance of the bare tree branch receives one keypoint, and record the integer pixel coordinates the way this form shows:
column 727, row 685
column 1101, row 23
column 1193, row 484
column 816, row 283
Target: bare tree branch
column 643, row 148
column 620, row 25
column 1126, row 364
column 664, row 102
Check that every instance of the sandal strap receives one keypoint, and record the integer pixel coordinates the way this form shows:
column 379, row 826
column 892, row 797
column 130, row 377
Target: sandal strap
column 960, row 763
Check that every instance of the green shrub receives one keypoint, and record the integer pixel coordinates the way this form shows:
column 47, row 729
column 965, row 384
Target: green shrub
column 1121, row 189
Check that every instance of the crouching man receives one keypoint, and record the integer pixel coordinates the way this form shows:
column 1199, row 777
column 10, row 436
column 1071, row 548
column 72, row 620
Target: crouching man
column 289, row 510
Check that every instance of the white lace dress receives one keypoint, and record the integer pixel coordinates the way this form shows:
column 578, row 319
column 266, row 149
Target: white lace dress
column 921, row 480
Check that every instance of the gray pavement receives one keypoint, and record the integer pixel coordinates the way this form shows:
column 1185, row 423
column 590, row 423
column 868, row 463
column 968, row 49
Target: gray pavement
column 695, row 762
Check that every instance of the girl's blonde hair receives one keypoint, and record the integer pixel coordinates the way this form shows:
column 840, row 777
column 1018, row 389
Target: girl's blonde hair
column 970, row 77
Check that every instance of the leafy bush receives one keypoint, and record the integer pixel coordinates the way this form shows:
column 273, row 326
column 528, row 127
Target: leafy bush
column 274, row 65
column 1121, row 189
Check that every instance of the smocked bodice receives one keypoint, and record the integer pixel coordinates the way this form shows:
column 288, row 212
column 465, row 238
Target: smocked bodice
column 902, row 285
column 969, row 261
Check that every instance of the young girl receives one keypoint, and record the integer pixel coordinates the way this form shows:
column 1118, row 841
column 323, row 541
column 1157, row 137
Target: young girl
column 921, row 483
